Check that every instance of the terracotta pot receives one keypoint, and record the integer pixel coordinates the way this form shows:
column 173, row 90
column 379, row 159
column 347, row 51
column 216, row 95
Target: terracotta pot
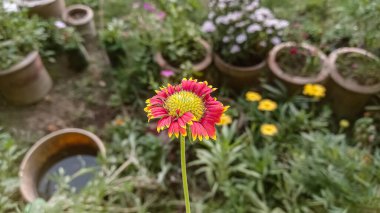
column 44, row 8
column 295, row 83
column 49, row 149
column 347, row 97
column 201, row 66
column 82, row 18
column 239, row 77
column 26, row 82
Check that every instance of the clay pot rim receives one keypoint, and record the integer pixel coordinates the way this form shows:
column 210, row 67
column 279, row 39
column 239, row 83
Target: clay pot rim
column 297, row 80
column 34, row 3
column 45, row 139
column 350, row 84
column 163, row 63
column 27, row 60
column 238, row 69
column 77, row 22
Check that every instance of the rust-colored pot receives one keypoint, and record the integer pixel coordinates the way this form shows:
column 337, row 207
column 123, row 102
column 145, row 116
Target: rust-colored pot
column 44, row 8
column 296, row 83
column 50, row 149
column 347, row 97
column 239, row 77
column 201, row 66
column 81, row 17
column 26, row 82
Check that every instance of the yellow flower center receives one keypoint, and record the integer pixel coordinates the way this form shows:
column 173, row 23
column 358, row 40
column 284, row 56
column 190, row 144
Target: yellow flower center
column 185, row 101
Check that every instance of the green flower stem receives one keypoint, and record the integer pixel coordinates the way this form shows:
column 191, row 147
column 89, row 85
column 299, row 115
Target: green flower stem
column 184, row 175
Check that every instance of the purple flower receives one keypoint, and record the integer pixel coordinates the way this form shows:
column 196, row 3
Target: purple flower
column 235, row 49
column 161, row 15
column 60, row 24
column 149, row 7
column 208, row 27
column 167, row 73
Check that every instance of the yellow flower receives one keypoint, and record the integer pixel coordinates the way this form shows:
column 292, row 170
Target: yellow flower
column 252, row 96
column 344, row 123
column 314, row 90
column 225, row 120
column 268, row 129
column 118, row 122
column 267, row 105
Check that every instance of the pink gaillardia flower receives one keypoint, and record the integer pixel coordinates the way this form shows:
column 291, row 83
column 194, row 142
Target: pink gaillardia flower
column 186, row 106
column 167, row 73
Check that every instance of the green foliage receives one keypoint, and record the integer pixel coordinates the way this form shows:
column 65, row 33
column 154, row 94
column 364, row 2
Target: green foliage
column 14, row 44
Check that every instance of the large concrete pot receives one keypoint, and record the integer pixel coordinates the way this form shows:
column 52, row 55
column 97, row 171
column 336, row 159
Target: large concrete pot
column 52, row 148
column 44, row 8
column 347, row 97
column 240, row 77
column 296, row 83
column 81, row 17
column 199, row 67
column 26, row 82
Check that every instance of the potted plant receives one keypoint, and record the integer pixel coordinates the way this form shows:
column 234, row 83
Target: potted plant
column 114, row 40
column 23, row 77
column 44, row 8
column 179, row 44
column 355, row 76
column 298, row 64
column 243, row 32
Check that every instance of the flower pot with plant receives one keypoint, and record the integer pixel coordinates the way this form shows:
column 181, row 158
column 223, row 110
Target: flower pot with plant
column 179, row 43
column 113, row 38
column 44, row 8
column 243, row 32
column 298, row 64
column 355, row 76
column 23, row 77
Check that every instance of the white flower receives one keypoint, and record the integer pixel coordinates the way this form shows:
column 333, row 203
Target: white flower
column 222, row 20
column 234, row 16
column 269, row 31
column 263, row 43
column 208, row 27
column 226, row 39
column 222, row 5
column 275, row 40
column 281, row 24
column 10, row 6
column 60, row 24
column 254, row 28
column 241, row 38
column 252, row 6
column 265, row 12
column 270, row 22
column 211, row 15
column 241, row 24
column 235, row 49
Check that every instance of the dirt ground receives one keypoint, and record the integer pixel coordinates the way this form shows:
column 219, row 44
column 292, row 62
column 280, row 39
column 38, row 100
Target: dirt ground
column 77, row 99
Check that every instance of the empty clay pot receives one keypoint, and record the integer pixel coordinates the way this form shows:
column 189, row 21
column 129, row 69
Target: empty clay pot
column 26, row 82
column 81, row 17
column 50, row 149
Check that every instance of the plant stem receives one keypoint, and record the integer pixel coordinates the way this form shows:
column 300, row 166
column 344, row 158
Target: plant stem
column 184, row 175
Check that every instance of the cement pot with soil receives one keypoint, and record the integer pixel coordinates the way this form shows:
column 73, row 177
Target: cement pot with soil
column 26, row 82
column 292, row 81
column 44, row 8
column 71, row 149
column 347, row 96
